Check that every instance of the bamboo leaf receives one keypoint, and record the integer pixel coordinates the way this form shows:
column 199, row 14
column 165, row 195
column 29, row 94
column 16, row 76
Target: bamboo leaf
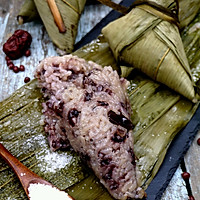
column 89, row 188
column 26, row 94
column 188, row 11
column 70, row 13
column 152, row 45
column 28, row 12
column 98, row 51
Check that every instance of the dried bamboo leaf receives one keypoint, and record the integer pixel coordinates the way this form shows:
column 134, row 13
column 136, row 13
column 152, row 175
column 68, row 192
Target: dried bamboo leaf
column 155, row 125
column 70, row 12
column 164, row 130
column 187, row 11
column 28, row 12
column 152, row 45
column 126, row 71
column 191, row 41
column 145, row 95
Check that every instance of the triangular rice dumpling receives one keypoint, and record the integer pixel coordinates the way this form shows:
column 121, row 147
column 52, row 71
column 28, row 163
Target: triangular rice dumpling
column 147, row 40
column 70, row 12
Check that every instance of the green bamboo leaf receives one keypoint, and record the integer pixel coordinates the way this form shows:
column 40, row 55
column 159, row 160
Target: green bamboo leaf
column 152, row 144
column 89, row 188
column 26, row 94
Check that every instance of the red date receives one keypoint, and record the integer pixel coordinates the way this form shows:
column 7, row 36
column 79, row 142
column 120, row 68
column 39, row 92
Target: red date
column 16, row 46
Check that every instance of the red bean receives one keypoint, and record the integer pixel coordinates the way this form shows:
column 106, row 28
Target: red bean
column 198, row 141
column 26, row 79
column 16, row 69
column 11, row 66
column 120, row 119
column 21, row 68
column 28, row 53
column 72, row 116
column 191, row 197
column 185, row 175
column 9, row 62
column 7, row 58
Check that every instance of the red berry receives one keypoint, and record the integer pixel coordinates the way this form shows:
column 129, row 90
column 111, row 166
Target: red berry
column 15, row 69
column 191, row 198
column 185, row 175
column 26, row 79
column 27, row 53
column 21, row 68
column 198, row 141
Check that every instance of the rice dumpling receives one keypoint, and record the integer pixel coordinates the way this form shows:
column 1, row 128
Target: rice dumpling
column 61, row 19
column 147, row 38
column 88, row 108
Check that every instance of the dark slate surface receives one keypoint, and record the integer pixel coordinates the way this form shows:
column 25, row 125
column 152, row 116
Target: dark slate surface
column 94, row 33
column 181, row 142
column 175, row 154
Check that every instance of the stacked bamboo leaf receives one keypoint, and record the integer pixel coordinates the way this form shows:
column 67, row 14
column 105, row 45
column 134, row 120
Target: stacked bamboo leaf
column 158, row 115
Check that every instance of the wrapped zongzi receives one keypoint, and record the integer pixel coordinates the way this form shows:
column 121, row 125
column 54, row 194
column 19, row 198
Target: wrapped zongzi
column 61, row 19
column 148, row 39
column 88, row 108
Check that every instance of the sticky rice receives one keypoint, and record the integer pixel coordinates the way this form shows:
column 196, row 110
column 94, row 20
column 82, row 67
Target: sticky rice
column 87, row 108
